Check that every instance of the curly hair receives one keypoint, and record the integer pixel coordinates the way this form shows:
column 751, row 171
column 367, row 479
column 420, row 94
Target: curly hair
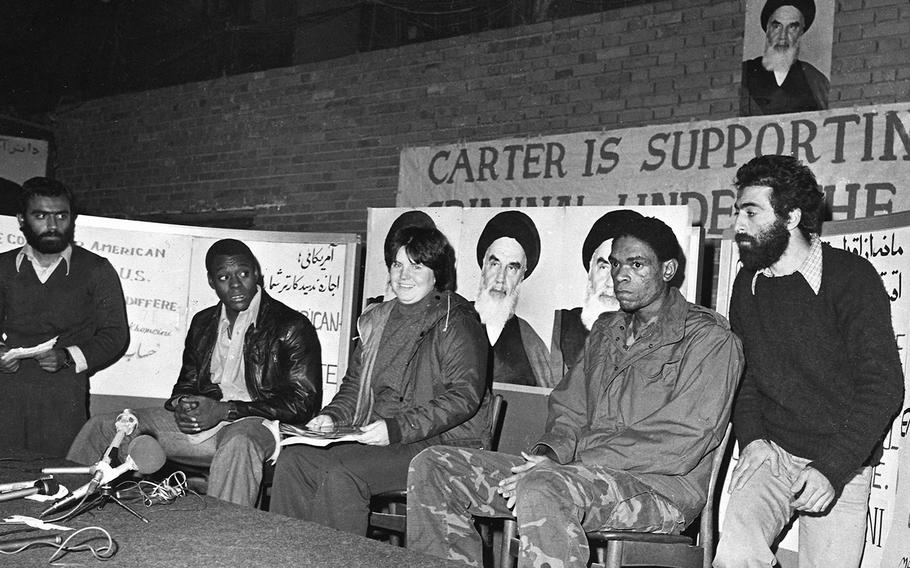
column 793, row 186
column 429, row 247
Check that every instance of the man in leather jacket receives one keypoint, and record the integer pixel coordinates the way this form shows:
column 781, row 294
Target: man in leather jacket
column 246, row 359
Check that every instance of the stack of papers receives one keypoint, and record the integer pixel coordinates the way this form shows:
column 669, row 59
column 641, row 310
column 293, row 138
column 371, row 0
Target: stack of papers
column 294, row 435
column 26, row 352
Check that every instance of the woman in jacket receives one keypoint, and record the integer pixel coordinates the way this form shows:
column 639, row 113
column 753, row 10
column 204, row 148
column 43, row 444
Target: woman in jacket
column 417, row 378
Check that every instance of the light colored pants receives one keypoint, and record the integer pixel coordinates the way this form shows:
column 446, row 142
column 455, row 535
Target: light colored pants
column 235, row 455
column 759, row 511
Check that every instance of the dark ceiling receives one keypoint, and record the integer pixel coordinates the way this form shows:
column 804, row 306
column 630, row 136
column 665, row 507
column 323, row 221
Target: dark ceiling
column 59, row 52
column 62, row 51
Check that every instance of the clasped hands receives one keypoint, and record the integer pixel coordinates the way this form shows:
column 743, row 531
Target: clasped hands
column 810, row 491
column 194, row 413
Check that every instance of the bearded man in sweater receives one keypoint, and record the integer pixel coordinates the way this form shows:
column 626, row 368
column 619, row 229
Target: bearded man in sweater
column 52, row 289
column 823, row 377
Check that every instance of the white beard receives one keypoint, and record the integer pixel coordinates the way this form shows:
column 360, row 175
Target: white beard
column 495, row 311
column 780, row 59
column 596, row 304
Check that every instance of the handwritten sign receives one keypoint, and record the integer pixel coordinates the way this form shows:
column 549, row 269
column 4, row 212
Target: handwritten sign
column 860, row 156
column 162, row 271
column 22, row 158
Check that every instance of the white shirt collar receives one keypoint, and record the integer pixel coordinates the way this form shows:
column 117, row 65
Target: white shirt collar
column 28, row 252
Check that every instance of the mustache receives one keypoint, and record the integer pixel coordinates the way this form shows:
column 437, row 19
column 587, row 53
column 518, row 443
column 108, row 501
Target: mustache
column 743, row 238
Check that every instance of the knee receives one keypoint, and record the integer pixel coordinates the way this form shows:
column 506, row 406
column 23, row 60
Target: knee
column 290, row 469
column 539, row 492
column 239, row 447
column 423, row 467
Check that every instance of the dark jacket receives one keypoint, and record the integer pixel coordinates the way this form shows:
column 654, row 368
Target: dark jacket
column 449, row 402
column 281, row 357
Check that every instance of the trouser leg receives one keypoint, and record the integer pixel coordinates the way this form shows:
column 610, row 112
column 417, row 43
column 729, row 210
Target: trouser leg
column 556, row 505
column 446, row 487
column 96, row 435
column 93, row 439
column 755, row 515
column 42, row 411
column 333, row 485
column 837, row 538
column 236, row 470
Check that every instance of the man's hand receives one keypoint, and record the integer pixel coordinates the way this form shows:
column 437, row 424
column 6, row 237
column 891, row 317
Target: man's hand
column 321, row 423
column 812, row 490
column 194, row 413
column 10, row 366
column 507, row 486
column 750, row 459
column 52, row 360
column 374, row 434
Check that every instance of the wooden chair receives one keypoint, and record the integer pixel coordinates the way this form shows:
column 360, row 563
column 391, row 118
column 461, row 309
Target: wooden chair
column 388, row 511
column 614, row 549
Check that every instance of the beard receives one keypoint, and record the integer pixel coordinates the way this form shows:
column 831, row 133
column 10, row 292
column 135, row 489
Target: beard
column 761, row 252
column 596, row 303
column 495, row 309
column 780, row 57
column 49, row 242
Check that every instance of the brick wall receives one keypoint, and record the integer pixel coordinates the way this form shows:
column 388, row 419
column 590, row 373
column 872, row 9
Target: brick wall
column 310, row 147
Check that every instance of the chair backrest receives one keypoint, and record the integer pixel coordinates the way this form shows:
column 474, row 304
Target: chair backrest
column 706, row 526
column 497, row 409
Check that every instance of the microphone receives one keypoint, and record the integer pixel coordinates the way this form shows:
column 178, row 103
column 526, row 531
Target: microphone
column 17, row 485
column 43, row 486
column 146, row 456
column 125, row 424
column 17, row 544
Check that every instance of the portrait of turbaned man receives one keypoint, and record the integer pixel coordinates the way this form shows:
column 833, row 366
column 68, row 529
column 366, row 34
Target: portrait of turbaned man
column 522, row 268
column 786, row 56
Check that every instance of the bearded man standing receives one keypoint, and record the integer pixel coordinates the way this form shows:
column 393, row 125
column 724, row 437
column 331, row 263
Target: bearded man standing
column 507, row 251
column 823, row 376
column 778, row 81
column 51, row 289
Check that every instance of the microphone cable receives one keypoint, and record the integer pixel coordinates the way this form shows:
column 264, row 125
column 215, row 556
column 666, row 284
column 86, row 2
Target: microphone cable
column 105, row 552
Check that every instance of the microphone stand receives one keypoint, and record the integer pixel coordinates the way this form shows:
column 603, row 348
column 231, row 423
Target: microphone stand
column 101, row 498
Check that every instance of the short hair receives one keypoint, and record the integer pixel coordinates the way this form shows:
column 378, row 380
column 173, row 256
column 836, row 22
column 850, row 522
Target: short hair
column 793, row 186
column 45, row 187
column 229, row 247
column 654, row 233
column 429, row 247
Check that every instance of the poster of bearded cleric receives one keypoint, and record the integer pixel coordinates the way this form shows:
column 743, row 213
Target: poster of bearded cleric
column 538, row 277
column 786, row 56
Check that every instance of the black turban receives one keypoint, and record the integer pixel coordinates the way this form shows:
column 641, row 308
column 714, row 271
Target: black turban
column 806, row 8
column 516, row 225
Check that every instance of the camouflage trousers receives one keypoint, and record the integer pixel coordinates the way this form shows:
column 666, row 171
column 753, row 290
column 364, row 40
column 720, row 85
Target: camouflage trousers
column 555, row 506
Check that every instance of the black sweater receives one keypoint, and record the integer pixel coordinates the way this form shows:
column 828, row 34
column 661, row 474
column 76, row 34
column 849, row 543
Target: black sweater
column 85, row 308
column 823, row 376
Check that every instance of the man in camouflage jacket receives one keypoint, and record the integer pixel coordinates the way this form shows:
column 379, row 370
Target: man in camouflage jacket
column 630, row 434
